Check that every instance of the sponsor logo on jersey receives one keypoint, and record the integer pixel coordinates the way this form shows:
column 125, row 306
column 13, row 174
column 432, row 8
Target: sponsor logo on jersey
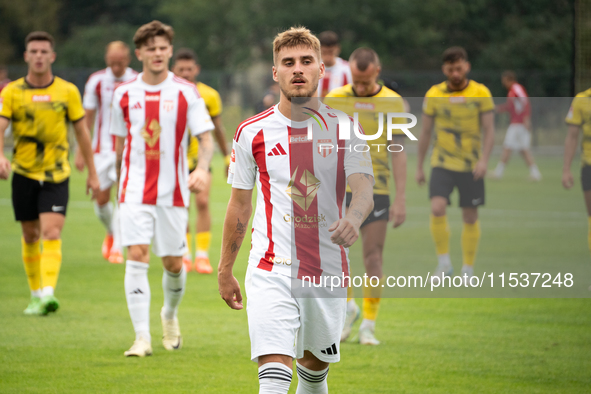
column 280, row 260
column 304, row 191
column 151, row 133
column 152, row 97
column 365, row 106
column 457, row 99
column 40, row 98
column 297, row 139
column 306, row 221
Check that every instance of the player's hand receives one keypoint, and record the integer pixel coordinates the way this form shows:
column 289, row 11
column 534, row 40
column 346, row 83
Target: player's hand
column 420, row 176
column 397, row 212
column 79, row 161
column 93, row 185
column 229, row 289
column 345, row 233
column 4, row 167
column 567, row 179
column 198, row 180
column 479, row 170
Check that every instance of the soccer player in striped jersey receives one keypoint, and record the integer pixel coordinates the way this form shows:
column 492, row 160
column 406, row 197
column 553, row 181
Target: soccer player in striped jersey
column 186, row 66
column 518, row 135
column 98, row 94
column 300, row 203
column 579, row 120
column 40, row 106
column 150, row 118
column 365, row 92
column 461, row 111
column 337, row 71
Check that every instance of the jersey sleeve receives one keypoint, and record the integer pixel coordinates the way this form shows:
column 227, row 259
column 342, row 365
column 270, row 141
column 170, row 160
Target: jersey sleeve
column 213, row 101
column 117, row 126
column 356, row 159
column 6, row 102
column 429, row 103
column 198, row 119
column 75, row 109
column 242, row 171
column 486, row 102
column 574, row 116
column 90, row 99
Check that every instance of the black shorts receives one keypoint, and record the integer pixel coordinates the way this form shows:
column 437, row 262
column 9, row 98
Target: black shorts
column 381, row 208
column 586, row 178
column 443, row 181
column 31, row 197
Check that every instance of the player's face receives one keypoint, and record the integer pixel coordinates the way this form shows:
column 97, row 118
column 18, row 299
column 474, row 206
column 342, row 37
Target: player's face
column 507, row 82
column 298, row 70
column 365, row 82
column 330, row 54
column 186, row 69
column 118, row 60
column 155, row 54
column 456, row 73
column 39, row 56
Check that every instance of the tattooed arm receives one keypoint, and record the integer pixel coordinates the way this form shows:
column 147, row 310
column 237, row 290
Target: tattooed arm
column 235, row 227
column 346, row 230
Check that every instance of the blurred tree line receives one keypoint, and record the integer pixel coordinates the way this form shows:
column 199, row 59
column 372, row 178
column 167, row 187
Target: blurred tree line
column 231, row 34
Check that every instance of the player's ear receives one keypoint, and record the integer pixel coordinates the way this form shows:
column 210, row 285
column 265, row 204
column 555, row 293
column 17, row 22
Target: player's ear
column 53, row 54
column 275, row 75
column 322, row 70
column 198, row 70
column 138, row 54
column 468, row 67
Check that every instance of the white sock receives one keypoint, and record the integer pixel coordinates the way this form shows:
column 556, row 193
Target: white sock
column 116, row 230
column 371, row 324
column 274, row 378
column 444, row 262
column 311, row 382
column 534, row 171
column 351, row 306
column 137, row 292
column 105, row 215
column 202, row 253
column 47, row 291
column 500, row 168
column 37, row 293
column 174, row 288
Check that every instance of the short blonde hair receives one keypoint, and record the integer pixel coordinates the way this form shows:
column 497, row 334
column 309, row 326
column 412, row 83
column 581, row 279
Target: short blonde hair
column 295, row 37
column 117, row 45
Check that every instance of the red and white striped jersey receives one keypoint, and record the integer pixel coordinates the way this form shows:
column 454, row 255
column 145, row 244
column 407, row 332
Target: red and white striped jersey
column 154, row 120
column 300, row 189
column 517, row 104
column 336, row 76
column 98, row 94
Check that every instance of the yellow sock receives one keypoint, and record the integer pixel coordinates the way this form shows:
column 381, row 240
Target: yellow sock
column 51, row 261
column 189, row 239
column 202, row 242
column 470, row 238
column 371, row 301
column 440, row 233
column 589, row 234
column 31, row 260
column 349, row 293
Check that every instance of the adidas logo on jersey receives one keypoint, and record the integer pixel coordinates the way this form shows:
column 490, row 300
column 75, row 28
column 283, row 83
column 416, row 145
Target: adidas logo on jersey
column 330, row 350
column 137, row 105
column 277, row 151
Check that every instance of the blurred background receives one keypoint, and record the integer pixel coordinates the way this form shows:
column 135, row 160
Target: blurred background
column 547, row 42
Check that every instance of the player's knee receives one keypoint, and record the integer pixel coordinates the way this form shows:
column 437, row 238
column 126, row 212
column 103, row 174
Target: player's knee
column 469, row 215
column 438, row 209
column 202, row 201
column 137, row 253
column 102, row 198
column 52, row 233
column 310, row 361
column 173, row 264
column 31, row 235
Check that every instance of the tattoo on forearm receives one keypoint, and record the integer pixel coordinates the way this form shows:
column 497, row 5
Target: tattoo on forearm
column 205, row 153
column 236, row 244
column 367, row 176
column 240, row 228
column 357, row 214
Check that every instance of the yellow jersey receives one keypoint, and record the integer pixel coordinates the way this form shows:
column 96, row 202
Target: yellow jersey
column 369, row 108
column 458, row 138
column 579, row 114
column 40, row 119
column 213, row 102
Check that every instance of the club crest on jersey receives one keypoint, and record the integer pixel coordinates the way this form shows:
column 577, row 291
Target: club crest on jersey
column 324, row 147
column 168, row 105
column 151, row 133
column 304, row 194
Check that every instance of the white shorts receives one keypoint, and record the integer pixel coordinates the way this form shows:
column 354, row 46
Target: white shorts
column 280, row 324
column 517, row 137
column 105, row 169
column 166, row 226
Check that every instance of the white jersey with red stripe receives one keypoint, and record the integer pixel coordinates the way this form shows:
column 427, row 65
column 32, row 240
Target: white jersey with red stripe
column 335, row 76
column 98, row 95
column 154, row 120
column 301, row 188
column 517, row 104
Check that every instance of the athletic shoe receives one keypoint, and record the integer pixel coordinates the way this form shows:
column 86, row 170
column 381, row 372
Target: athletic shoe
column 140, row 348
column 350, row 319
column 49, row 304
column 466, row 273
column 34, row 307
column 187, row 263
column 442, row 270
column 366, row 337
column 107, row 246
column 202, row 265
column 171, row 333
column 116, row 257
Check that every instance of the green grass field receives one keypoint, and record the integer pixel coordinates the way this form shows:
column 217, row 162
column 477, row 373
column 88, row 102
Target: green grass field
column 428, row 345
